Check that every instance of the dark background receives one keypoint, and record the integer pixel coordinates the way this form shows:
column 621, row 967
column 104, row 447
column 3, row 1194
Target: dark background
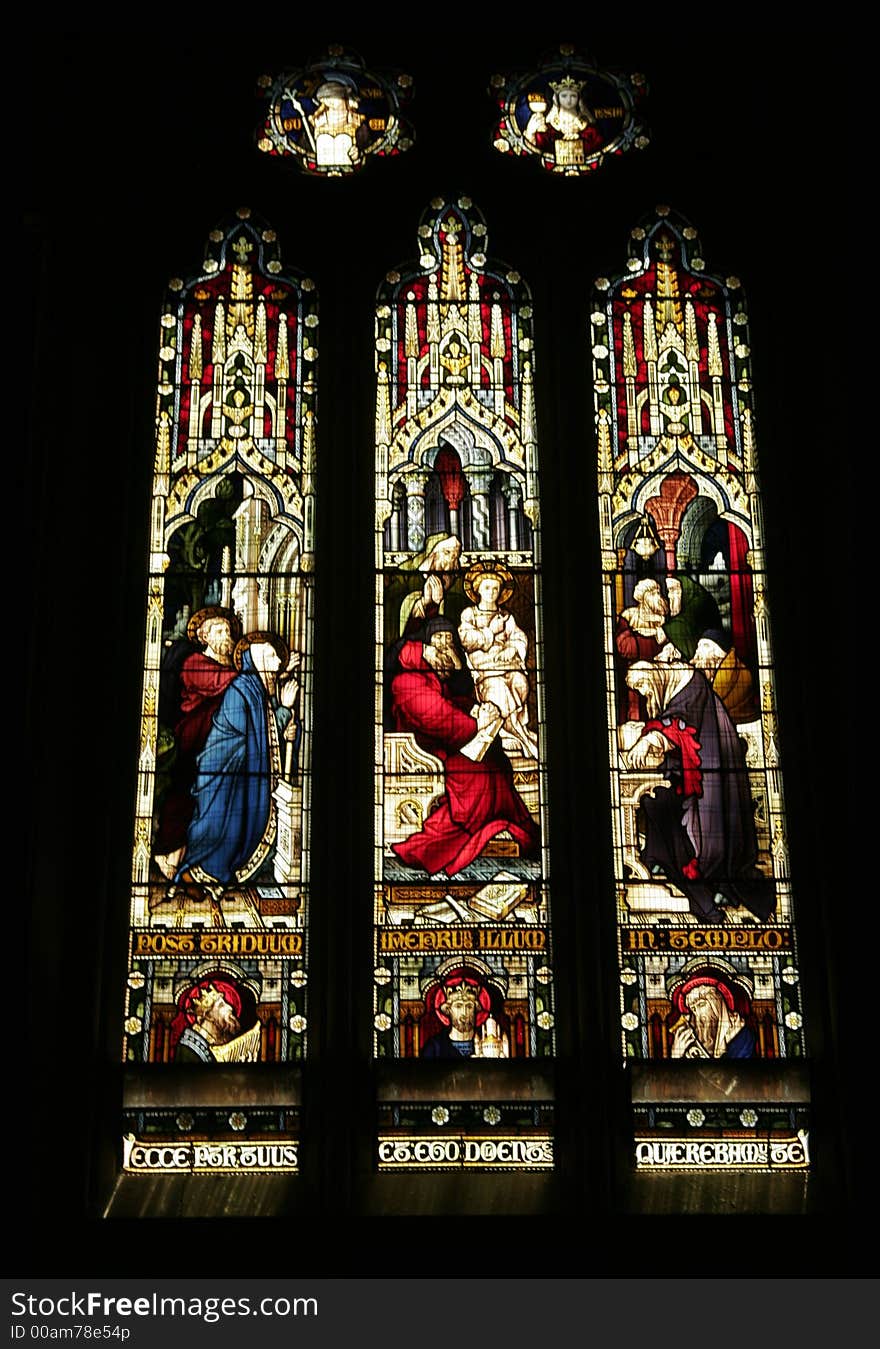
column 137, row 147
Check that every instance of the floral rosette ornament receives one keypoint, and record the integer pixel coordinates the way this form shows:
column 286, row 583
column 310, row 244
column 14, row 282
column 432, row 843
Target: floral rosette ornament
column 568, row 113
column 331, row 116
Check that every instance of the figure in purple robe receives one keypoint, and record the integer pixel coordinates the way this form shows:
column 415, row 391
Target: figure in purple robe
column 700, row 827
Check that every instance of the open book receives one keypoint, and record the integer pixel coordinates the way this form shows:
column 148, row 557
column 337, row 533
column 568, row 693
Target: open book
column 476, row 748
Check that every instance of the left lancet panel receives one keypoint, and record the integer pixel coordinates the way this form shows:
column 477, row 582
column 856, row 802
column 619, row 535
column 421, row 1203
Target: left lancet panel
column 220, row 868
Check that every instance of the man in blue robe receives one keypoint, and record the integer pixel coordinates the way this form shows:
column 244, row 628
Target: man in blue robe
column 233, row 826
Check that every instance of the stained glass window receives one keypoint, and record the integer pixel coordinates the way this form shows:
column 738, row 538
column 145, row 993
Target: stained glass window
column 707, row 948
column 219, row 900
column 568, row 113
column 116, row 205
column 462, row 939
column 331, row 115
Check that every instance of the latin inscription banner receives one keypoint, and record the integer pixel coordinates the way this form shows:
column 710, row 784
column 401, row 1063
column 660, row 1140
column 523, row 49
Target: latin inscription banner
column 196, row 942
column 727, row 1154
column 460, row 1151
column 206, row 1157
column 706, row 939
column 463, row 939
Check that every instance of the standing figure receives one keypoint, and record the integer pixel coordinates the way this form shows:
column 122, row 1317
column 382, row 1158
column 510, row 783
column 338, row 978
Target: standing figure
column 203, row 679
column 700, row 828
column 639, row 636
column 692, row 612
column 233, row 825
column 727, row 674
column 496, row 649
column 480, row 800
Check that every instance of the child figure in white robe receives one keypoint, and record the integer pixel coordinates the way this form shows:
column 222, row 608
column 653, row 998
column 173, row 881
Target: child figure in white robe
column 496, row 649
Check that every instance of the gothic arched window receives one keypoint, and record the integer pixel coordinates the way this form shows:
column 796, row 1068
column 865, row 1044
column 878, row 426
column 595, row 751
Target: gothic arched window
column 707, row 950
column 221, row 856
column 462, row 935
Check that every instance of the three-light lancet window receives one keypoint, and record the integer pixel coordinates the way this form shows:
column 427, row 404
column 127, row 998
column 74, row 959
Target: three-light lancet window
column 463, row 973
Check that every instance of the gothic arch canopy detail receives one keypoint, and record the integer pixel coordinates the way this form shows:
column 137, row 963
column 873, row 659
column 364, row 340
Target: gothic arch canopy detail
column 475, row 431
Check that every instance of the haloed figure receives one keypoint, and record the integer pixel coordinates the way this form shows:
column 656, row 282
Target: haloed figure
column 567, row 131
column 710, row 1026
column 470, row 1032
column 207, row 1027
column 496, row 648
column 204, row 677
column 233, row 825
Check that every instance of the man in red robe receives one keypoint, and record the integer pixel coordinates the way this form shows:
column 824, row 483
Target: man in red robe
column 480, row 800
column 204, row 678
column 639, row 636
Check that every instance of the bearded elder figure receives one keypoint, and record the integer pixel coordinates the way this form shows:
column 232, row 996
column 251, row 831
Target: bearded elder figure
column 208, row 1029
column 205, row 675
column 699, row 829
column 713, row 1014
column 462, row 1003
column 479, row 801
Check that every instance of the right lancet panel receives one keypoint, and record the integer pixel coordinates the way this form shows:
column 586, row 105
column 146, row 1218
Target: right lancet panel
column 706, row 942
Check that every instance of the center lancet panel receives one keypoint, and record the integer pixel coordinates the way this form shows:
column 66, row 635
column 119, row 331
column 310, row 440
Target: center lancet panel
column 220, row 867
column 463, row 972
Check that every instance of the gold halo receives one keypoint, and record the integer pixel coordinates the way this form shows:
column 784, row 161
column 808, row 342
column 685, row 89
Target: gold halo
column 223, row 968
column 711, row 965
column 489, row 568
column 464, row 963
column 213, row 611
column 272, row 637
